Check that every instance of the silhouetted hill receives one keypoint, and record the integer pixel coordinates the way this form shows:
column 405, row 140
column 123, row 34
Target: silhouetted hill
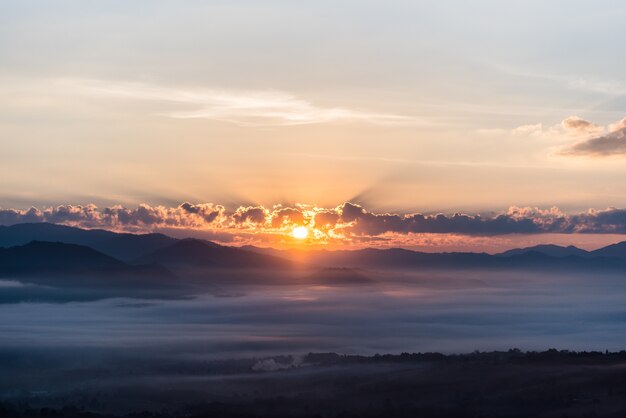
column 129, row 247
column 553, row 256
column 395, row 258
column 406, row 259
column 533, row 260
column 21, row 234
column 614, row 250
column 548, row 249
column 266, row 250
column 159, row 248
column 123, row 246
column 194, row 253
column 38, row 256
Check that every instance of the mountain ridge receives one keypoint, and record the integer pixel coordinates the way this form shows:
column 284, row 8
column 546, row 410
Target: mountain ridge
column 549, row 249
column 198, row 253
column 135, row 249
column 124, row 246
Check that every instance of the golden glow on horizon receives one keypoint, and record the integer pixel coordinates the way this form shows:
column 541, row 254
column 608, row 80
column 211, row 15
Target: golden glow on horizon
column 300, row 232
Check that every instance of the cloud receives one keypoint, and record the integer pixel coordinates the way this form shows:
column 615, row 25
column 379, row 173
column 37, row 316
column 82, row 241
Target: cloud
column 571, row 126
column 577, row 125
column 358, row 221
column 208, row 211
column 611, row 144
column 141, row 218
column 617, row 125
column 608, row 87
column 593, row 140
column 326, row 219
column 593, row 85
column 242, row 107
column 15, row 216
column 250, row 215
column 347, row 222
column 286, row 216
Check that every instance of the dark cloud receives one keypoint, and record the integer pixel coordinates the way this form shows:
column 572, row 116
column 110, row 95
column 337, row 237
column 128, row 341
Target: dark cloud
column 207, row 211
column 361, row 222
column 609, row 144
column 142, row 217
column 14, row 216
column 514, row 221
column 347, row 220
column 250, row 215
column 613, row 143
column 611, row 220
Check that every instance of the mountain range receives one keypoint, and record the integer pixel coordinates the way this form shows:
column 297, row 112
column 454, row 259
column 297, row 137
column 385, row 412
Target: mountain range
column 43, row 248
column 122, row 246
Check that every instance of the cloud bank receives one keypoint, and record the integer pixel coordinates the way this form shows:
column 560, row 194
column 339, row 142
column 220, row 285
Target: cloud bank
column 347, row 221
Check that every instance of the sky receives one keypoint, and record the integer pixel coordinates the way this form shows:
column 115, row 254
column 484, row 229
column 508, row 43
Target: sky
column 487, row 108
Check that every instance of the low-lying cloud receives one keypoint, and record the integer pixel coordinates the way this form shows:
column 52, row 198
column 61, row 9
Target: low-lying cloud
column 346, row 221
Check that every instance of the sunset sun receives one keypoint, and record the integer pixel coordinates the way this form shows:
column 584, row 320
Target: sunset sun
column 300, row 232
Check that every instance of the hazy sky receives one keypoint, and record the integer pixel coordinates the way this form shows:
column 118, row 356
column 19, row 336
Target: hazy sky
column 399, row 106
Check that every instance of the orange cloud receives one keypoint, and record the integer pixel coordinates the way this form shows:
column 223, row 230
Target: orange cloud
column 347, row 223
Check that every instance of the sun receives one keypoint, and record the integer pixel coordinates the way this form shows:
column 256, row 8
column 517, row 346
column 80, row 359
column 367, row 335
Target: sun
column 300, row 232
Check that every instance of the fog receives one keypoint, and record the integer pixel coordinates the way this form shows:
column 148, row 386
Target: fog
column 394, row 312
column 210, row 339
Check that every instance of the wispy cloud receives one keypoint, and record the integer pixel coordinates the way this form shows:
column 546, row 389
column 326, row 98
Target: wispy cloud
column 568, row 128
column 242, row 107
column 608, row 87
column 574, row 82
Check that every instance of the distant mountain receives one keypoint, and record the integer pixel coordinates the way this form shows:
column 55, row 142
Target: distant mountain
column 39, row 258
column 615, row 250
column 21, row 234
column 122, row 246
column 393, row 258
column 192, row 253
column 266, row 250
column 397, row 258
column 372, row 257
column 129, row 247
column 547, row 249
column 551, row 257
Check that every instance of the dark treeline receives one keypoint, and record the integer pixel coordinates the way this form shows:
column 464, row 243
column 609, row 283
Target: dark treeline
column 552, row 383
column 513, row 355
